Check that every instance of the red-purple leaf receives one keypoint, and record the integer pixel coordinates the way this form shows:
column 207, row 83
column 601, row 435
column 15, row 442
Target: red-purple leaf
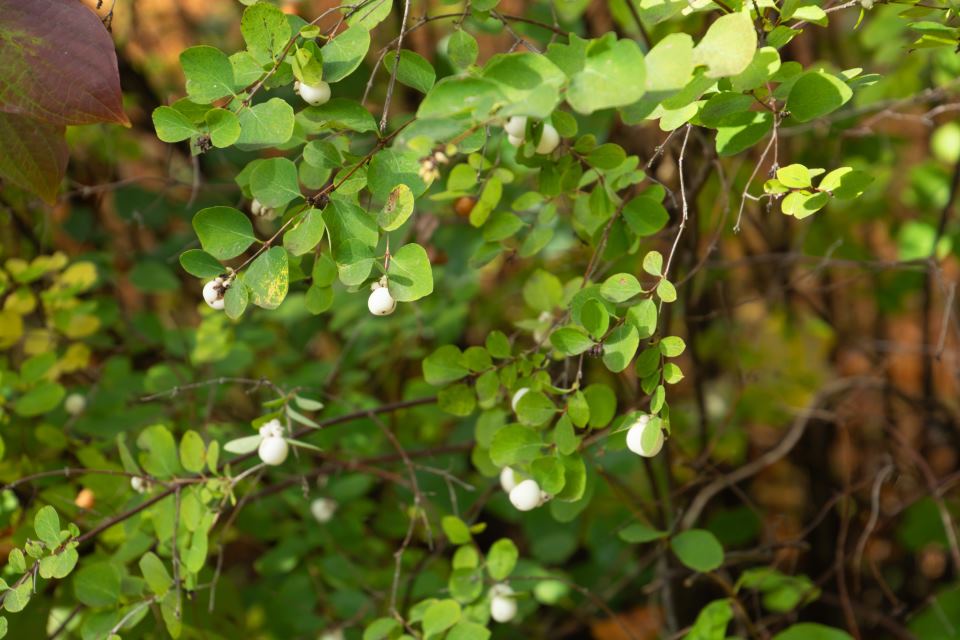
column 34, row 154
column 58, row 63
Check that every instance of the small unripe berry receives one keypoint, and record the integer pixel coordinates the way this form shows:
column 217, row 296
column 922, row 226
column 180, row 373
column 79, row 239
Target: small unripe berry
column 75, row 404
column 508, row 479
column 139, row 484
column 526, row 496
column 516, row 126
column 522, row 391
column 85, row 499
column 273, row 450
column 463, row 206
column 323, row 509
column 380, row 302
column 314, row 94
column 549, row 140
column 636, row 436
column 503, row 607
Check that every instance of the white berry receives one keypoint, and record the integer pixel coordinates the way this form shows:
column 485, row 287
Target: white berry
column 314, row 94
column 273, row 450
column 75, row 404
column 255, row 207
column 635, row 438
column 526, row 496
column 508, row 479
column 213, row 293
column 381, row 303
column 138, row 484
column 336, row 634
column 514, row 140
column 323, row 509
column 503, row 608
column 522, row 391
column 549, row 140
column 272, row 429
column 516, row 126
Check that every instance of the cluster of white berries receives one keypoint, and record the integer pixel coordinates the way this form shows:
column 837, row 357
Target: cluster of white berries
column 273, row 447
column 257, row 209
column 503, row 606
column 430, row 166
column 214, row 291
column 75, row 404
column 525, row 495
column 313, row 94
column 322, row 509
column 637, row 434
column 380, row 302
column 516, row 128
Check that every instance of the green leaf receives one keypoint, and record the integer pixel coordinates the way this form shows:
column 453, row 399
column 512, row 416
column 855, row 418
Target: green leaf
column 462, row 49
column 765, row 63
column 274, row 182
column 452, row 96
column 712, row 621
column 620, row 347
column 639, row 533
column 410, row 275
column 811, row 631
column 571, row 341
column 414, row 70
column 728, row 46
column 502, row 559
column 156, row 575
column 845, row 183
column 612, row 76
column 345, row 52
column 543, row 291
column 795, row 176
column 172, row 126
column 391, row 167
column 645, row 216
column 340, row 113
column 268, row 278
column 672, row 346
column 514, row 444
column 224, row 232
column 209, row 74
column 801, row 204
column 306, row 234
column 643, row 316
column 698, row 549
column 60, row 565
column 456, row 530
column 192, row 451
column 381, row 629
column 535, row 408
column 816, row 94
column 464, row 630
column 620, row 287
column 97, row 584
column 40, row 399
column 47, row 525
column 440, row 616
column 322, row 154
column 457, row 399
column 653, row 263
column 200, row 264
column 159, row 452
column 670, row 64
column 548, row 471
column 16, row 600
column 224, row 127
column 530, row 83
column 397, row 209
column 266, row 31
column 444, row 365
column 265, row 124
column 236, row 299
column 743, row 131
